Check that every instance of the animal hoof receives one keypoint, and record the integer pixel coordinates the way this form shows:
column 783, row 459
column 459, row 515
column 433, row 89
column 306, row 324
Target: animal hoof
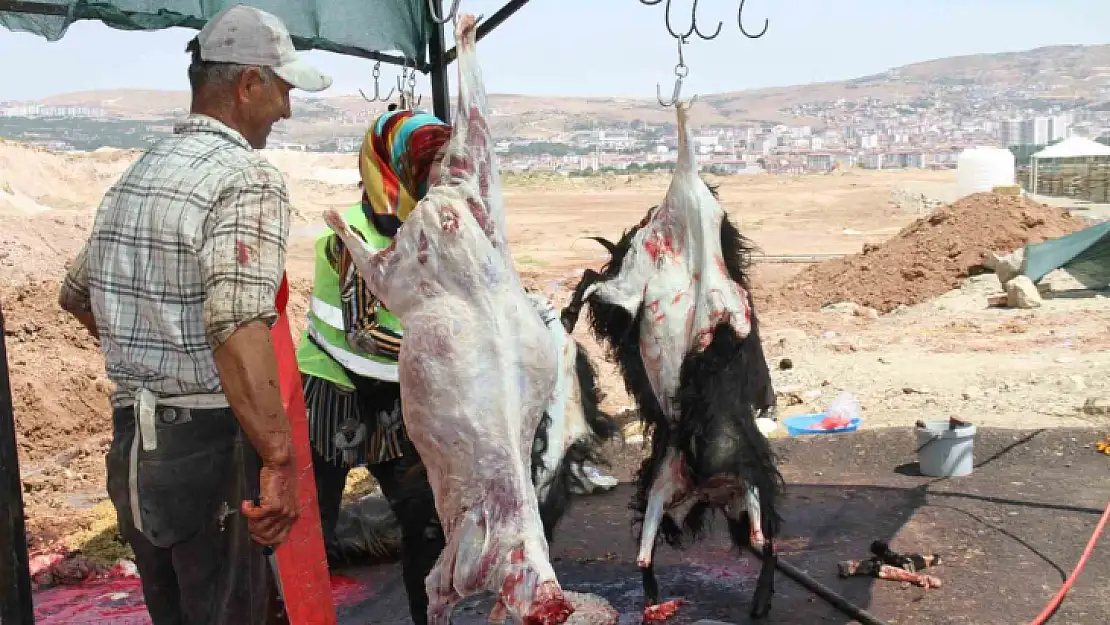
column 466, row 23
column 761, row 605
column 764, row 591
column 335, row 221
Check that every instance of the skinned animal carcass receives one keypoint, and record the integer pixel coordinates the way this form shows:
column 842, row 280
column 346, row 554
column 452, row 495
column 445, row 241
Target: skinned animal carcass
column 570, row 434
column 572, row 429
column 674, row 308
column 477, row 370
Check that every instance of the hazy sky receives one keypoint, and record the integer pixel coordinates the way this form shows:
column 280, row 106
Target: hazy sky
column 615, row 47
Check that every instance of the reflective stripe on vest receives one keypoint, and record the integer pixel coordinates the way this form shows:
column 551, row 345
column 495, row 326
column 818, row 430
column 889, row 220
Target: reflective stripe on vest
column 327, row 313
column 386, row 372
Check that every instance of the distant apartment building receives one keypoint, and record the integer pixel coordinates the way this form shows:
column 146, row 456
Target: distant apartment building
column 845, row 160
column 872, row 161
column 609, row 140
column 39, row 110
column 1011, row 132
column 1036, row 131
column 707, row 144
column 1061, row 127
column 819, row 161
column 1041, row 131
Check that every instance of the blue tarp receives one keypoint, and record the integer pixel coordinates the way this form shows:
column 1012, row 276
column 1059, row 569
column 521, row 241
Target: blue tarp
column 343, row 26
column 1089, row 244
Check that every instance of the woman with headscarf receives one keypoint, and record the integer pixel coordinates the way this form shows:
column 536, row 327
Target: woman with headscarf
column 348, row 356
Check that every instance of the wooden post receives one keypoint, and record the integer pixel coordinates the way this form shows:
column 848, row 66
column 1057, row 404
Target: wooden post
column 15, row 576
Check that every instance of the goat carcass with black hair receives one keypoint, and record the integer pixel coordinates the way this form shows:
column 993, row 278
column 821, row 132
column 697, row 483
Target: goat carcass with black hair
column 477, row 370
column 674, row 308
column 572, row 429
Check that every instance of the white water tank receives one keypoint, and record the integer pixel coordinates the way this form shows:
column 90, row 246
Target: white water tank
column 982, row 169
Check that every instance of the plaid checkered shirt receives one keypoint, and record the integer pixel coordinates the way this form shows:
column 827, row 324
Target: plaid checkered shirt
column 189, row 245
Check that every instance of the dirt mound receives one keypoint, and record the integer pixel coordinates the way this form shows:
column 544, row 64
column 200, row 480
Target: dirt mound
column 63, row 416
column 62, row 413
column 59, row 389
column 927, row 258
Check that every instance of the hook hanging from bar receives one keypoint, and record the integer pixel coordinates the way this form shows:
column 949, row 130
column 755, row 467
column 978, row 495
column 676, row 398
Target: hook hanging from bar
column 413, row 98
column 681, row 71
column 740, row 21
column 695, row 29
column 432, row 11
column 406, row 87
column 694, row 24
column 377, row 86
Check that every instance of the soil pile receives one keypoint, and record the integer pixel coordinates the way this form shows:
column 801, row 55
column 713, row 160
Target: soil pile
column 60, row 393
column 929, row 257
column 62, row 414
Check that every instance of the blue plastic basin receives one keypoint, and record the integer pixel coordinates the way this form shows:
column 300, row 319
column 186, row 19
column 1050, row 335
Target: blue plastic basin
column 802, row 425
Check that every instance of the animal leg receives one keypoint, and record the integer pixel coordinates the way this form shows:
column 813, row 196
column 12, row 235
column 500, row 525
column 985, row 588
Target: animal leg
column 755, row 517
column 745, row 527
column 667, row 489
column 499, row 613
column 370, row 264
column 650, row 581
column 442, row 596
column 765, row 585
column 569, row 314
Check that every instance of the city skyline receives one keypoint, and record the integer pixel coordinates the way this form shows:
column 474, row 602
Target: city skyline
column 620, row 48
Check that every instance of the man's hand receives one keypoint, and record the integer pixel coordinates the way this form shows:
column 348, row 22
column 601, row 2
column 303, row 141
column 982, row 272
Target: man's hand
column 248, row 373
column 73, row 297
column 269, row 523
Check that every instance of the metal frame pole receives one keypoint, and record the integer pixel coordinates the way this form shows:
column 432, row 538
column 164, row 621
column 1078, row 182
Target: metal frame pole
column 437, row 62
column 16, row 607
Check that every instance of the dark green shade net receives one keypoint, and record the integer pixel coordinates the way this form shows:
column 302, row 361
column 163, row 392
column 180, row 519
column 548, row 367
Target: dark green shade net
column 342, row 26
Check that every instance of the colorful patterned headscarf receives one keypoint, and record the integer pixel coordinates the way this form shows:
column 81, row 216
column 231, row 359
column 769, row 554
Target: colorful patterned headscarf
column 396, row 156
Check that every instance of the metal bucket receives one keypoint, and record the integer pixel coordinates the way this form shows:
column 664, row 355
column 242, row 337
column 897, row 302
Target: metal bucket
column 943, row 451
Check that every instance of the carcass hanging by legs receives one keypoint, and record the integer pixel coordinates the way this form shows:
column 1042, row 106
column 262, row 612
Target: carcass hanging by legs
column 477, row 369
column 674, row 307
column 573, row 426
column 570, row 434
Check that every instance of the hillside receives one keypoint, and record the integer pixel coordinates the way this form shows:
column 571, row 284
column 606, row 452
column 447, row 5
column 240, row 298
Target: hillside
column 1025, row 79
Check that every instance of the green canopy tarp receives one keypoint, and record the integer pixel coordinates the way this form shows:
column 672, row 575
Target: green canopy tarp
column 1089, row 246
column 353, row 27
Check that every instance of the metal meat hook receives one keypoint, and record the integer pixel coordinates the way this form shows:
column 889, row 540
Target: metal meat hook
column 414, row 99
column 680, row 73
column 694, row 24
column 740, row 21
column 442, row 20
column 694, row 29
column 406, row 86
column 377, row 86
column 693, row 21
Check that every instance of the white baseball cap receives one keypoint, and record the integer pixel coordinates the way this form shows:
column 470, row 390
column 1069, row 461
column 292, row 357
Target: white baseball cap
column 249, row 36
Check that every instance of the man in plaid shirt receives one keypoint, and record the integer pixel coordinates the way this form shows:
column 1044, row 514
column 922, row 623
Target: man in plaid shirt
column 178, row 281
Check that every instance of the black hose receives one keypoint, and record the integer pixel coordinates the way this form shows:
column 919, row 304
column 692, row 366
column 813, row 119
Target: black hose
column 823, row 591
